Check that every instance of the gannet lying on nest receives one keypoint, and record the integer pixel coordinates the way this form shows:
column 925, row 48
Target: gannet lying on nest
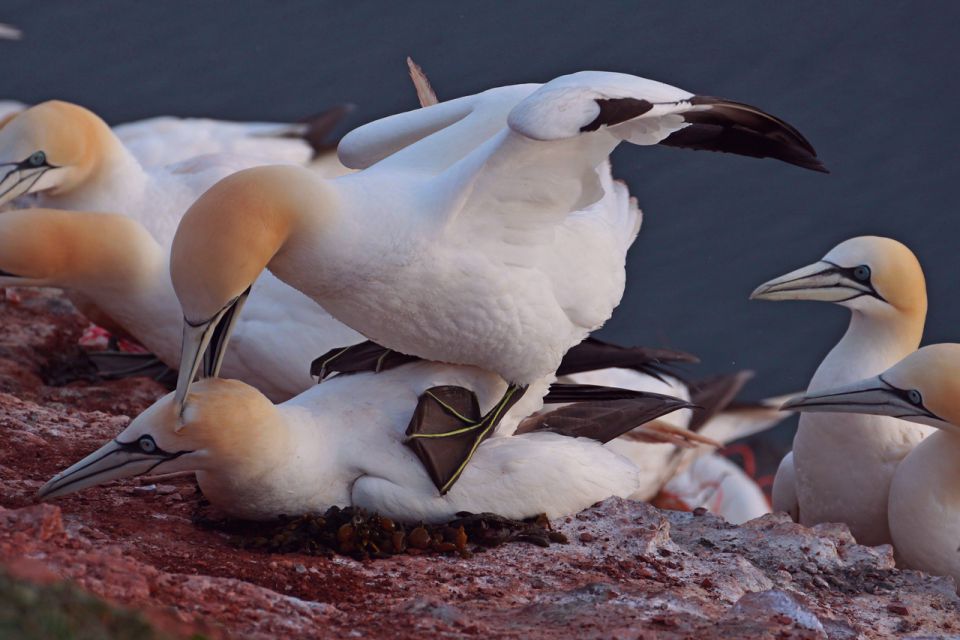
column 460, row 240
column 342, row 443
column 924, row 499
column 841, row 465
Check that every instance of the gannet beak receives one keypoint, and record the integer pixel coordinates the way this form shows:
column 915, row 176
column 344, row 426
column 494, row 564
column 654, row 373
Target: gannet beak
column 112, row 461
column 205, row 342
column 871, row 396
column 19, row 178
column 823, row 281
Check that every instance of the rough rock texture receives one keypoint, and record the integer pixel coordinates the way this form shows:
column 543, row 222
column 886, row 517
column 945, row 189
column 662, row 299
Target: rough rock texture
column 630, row 570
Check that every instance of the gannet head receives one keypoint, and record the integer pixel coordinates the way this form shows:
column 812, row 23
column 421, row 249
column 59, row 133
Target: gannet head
column 867, row 273
column 924, row 387
column 72, row 249
column 222, row 245
column 54, row 146
column 226, row 426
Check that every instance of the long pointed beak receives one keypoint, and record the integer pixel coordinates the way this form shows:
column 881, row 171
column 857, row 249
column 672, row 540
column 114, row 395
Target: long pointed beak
column 196, row 338
column 18, row 181
column 221, row 336
column 206, row 343
column 819, row 281
column 112, row 461
column 871, row 396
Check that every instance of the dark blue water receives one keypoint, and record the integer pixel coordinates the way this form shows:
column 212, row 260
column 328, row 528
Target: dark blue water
column 874, row 87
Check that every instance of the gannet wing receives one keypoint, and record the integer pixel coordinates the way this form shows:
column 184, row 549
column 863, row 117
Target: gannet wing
column 644, row 112
column 741, row 420
column 603, row 419
column 712, row 395
column 593, row 354
column 544, row 165
column 432, row 138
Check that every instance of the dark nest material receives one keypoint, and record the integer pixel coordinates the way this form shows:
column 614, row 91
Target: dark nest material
column 354, row 532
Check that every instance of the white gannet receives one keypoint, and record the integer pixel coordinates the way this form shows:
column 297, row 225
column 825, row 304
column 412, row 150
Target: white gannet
column 841, row 465
column 924, row 500
column 69, row 158
column 342, row 443
column 110, row 262
column 460, row 242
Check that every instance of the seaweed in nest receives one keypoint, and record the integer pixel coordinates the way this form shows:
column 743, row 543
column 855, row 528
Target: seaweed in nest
column 354, row 532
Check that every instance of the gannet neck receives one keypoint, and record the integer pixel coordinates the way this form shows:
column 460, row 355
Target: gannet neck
column 874, row 340
column 234, row 231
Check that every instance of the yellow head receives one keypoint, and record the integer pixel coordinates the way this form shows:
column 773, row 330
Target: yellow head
column 924, row 387
column 227, row 426
column 869, row 273
column 54, row 146
column 54, row 248
column 223, row 244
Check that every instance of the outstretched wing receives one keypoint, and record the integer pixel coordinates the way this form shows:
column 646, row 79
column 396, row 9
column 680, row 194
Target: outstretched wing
column 544, row 165
column 643, row 111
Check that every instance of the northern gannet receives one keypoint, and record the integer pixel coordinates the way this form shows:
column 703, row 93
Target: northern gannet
column 110, row 262
column 924, row 499
column 71, row 159
column 342, row 443
column 464, row 239
column 841, row 465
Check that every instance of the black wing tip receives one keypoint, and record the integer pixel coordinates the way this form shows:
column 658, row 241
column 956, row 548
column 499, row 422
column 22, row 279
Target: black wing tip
column 320, row 127
column 736, row 127
column 614, row 111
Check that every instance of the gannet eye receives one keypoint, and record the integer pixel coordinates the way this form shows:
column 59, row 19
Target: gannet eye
column 862, row 273
column 147, row 445
column 38, row 159
column 914, row 397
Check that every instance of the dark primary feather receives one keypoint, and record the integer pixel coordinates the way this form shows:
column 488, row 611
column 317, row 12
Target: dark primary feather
column 593, row 354
column 317, row 129
column 735, row 127
column 603, row 421
column 561, row 393
column 616, row 110
column 714, row 394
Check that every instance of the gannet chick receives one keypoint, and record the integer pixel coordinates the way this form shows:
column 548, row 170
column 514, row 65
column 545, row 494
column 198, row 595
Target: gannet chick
column 502, row 255
column 341, row 443
column 924, row 500
column 70, row 159
column 841, row 465
column 116, row 267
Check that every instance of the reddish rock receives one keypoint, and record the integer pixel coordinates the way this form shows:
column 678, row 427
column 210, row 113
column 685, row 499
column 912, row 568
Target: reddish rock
column 631, row 570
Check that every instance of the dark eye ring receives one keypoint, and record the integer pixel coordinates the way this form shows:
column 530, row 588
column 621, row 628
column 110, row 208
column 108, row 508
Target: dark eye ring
column 38, row 159
column 914, row 397
column 147, row 445
column 862, row 273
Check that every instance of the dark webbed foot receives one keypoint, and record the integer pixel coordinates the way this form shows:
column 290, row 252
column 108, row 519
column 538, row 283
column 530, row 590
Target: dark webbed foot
column 446, row 429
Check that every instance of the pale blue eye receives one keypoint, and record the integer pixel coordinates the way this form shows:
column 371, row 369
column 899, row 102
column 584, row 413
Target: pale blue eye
column 38, row 159
column 147, row 445
column 862, row 273
column 914, row 397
